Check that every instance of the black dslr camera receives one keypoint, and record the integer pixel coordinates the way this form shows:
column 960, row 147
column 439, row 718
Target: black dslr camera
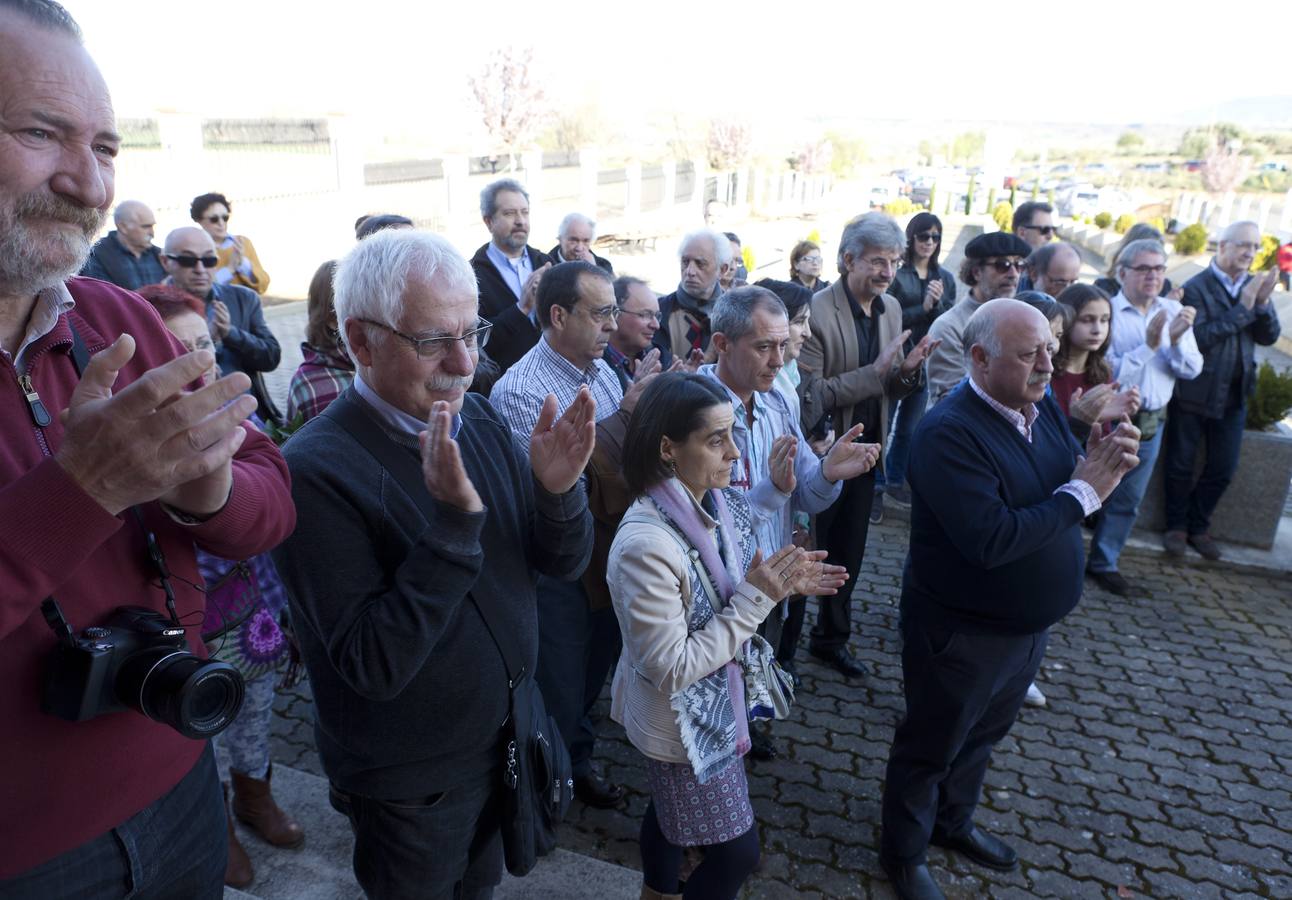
column 138, row 660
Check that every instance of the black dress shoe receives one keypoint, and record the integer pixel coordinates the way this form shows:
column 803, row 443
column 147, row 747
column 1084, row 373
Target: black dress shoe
column 1112, row 582
column 981, row 847
column 912, row 882
column 593, row 790
column 842, row 661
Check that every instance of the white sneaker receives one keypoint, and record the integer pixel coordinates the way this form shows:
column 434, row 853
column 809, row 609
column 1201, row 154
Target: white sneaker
column 1034, row 696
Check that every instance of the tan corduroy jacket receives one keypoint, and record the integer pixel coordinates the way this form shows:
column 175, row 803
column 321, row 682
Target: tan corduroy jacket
column 832, row 378
column 652, row 582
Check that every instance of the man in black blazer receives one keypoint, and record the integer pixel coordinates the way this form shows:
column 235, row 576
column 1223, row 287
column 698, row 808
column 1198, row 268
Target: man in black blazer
column 1234, row 314
column 508, row 271
column 574, row 242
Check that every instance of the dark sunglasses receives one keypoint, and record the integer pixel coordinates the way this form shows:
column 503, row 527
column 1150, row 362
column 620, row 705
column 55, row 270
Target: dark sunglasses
column 925, row 236
column 1046, row 230
column 214, row 219
column 189, row 262
column 1006, row 265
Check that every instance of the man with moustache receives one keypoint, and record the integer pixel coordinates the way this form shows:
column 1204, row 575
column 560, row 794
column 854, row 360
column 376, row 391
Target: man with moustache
column 992, row 267
column 508, row 271
column 705, row 258
column 127, row 256
column 850, row 367
column 635, row 330
column 101, row 416
column 387, row 584
column 243, row 341
column 998, row 491
column 578, row 641
column 574, row 240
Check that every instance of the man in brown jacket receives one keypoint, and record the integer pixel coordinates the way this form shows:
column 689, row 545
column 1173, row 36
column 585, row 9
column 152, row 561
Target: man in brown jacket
column 851, row 367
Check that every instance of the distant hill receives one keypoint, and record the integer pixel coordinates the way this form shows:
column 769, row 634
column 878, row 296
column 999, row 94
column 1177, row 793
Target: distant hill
column 1248, row 112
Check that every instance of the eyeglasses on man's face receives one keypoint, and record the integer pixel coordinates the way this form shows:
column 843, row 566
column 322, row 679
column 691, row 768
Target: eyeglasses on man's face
column 1148, row 270
column 1045, row 230
column 1005, row 265
column 602, row 314
column 645, row 315
column 439, row 346
column 190, row 262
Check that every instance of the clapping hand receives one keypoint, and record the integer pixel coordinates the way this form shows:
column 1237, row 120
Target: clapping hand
column 1182, row 322
column 888, row 355
column 690, row 363
column 1156, row 325
column 781, row 463
column 919, row 353
column 847, row 458
column 1122, row 405
column 529, row 293
column 643, row 374
column 1258, row 289
column 445, row 476
column 933, row 293
column 559, row 449
column 1088, row 406
column 1108, row 459
column 153, row 440
column 793, row 570
column 222, row 322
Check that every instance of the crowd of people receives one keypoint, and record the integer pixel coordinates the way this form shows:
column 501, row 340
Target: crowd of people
column 521, row 452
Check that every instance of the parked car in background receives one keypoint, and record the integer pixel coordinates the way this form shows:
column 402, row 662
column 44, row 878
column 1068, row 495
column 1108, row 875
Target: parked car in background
column 1155, row 167
column 1088, row 200
column 1274, row 165
column 1193, row 165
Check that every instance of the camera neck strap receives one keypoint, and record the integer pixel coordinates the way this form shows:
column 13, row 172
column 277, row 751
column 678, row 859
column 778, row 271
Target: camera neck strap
column 49, row 608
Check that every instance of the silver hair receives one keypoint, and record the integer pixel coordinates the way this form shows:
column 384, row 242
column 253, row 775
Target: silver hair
column 1231, row 230
column 1126, row 258
column 874, row 230
column 489, row 196
column 124, row 208
column 721, row 246
column 370, row 280
column 981, row 331
column 733, row 314
column 571, row 219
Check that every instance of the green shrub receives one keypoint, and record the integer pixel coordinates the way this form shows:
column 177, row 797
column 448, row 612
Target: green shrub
column 1003, row 213
column 1191, row 240
column 1159, row 223
column 969, row 196
column 1103, row 220
column 933, row 195
column 1267, row 256
column 1272, row 398
column 991, row 199
column 900, row 207
column 1124, row 223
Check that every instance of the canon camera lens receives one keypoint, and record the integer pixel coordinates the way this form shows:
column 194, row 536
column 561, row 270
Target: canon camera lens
column 199, row 698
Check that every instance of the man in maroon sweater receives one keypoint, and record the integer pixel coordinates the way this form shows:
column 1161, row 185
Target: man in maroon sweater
column 117, row 803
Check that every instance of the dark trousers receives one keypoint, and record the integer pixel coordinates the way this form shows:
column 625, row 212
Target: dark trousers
column 963, row 693
column 178, row 847
column 841, row 532
column 443, row 847
column 1188, row 505
column 577, row 648
column 791, row 629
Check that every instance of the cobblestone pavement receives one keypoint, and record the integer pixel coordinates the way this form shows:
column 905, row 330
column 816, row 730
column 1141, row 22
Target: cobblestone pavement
column 1161, row 768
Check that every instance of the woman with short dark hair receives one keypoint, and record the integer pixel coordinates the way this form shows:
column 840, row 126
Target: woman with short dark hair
column 689, row 593
column 239, row 263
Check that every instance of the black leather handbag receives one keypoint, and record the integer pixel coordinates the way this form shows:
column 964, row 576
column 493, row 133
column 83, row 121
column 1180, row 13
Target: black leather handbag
column 537, row 776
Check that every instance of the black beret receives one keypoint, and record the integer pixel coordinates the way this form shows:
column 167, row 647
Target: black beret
column 998, row 243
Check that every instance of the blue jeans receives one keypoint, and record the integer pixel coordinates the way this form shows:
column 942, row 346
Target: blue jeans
column 446, row 846
column 178, row 847
column 577, row 648
column 903, row 416
column 1121, row 508
column 1188, row 505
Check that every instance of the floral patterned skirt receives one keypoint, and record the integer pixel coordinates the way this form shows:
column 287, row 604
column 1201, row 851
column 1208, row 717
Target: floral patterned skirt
column 692, row 814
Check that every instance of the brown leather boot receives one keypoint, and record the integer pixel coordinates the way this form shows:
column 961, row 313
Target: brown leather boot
column 254, row 806
column 237, row 872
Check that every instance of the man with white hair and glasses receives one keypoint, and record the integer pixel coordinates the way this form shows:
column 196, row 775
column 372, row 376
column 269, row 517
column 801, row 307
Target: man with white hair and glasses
column 398, row 581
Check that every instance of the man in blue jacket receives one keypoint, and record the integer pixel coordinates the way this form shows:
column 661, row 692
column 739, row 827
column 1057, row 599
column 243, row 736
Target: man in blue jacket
column 1234, row 314
column 999, row 489
column 127, row 256
column 243, row 341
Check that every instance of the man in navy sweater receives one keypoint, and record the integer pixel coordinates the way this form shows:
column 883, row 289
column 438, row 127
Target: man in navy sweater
column 999, row 490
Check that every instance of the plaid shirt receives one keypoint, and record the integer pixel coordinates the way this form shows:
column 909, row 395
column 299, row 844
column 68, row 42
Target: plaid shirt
column 320, row 379
column 519, row 394
column 1022, row 422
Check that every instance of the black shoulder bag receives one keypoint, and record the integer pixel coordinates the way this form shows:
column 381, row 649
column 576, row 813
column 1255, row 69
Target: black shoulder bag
column 538, row 780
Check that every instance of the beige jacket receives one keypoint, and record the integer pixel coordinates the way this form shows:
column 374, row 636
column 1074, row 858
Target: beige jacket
column 833, row 380
column 652, row 583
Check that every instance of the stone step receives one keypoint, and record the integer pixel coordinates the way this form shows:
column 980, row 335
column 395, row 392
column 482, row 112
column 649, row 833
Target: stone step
column 321, row 869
